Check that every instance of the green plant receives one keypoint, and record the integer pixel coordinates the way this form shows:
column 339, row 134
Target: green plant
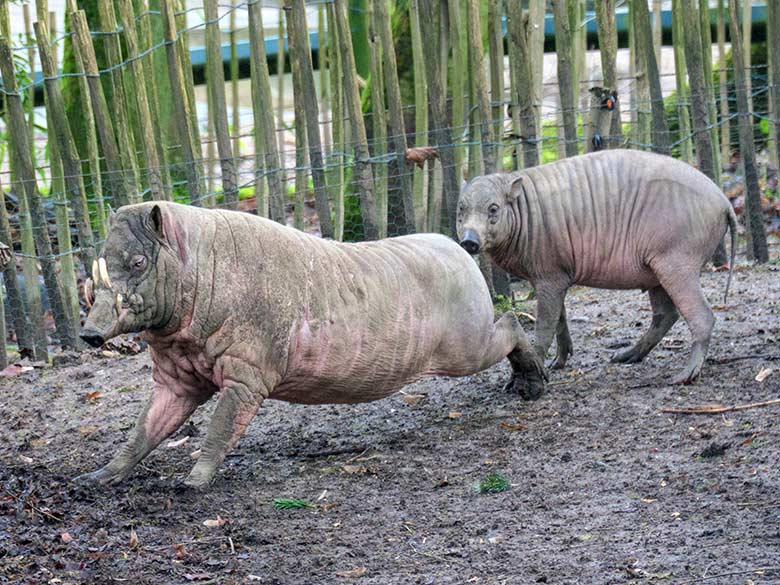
column 291, row 504
column 493, row 483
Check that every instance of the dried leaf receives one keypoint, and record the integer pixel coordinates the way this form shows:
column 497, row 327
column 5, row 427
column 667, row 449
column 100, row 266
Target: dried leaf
column 197, row 576
column 214, row 523
column 180, row 551
column 25, row 459
column 179, row 443
column 195, row 454
column 512, row 427
column 133, row 538
column 764, row 374
column 353, row 573
column 455, row 414
column 66, row 537
column 412, row 398
column 92, row 395
column 87, row 430
column 648, row 500
column 353, row 469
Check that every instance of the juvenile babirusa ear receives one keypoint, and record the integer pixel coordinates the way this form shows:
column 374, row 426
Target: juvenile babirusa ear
column 111, row 215
column 515, row 189
column 156, row 222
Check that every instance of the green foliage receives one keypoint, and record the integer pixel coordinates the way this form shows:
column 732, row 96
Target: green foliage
column 493, row 483
column 291, row 504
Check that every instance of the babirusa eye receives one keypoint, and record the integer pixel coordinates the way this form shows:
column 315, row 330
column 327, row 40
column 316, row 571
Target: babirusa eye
column 493, row 209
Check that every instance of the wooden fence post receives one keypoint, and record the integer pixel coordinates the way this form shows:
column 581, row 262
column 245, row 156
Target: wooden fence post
column 336, row 171
column 523, row 117
column 773, row 32
column 564, row 49
column 419, row 178
column 378, row 118
column 607, row 34
column 725, row 133
column 479, row 87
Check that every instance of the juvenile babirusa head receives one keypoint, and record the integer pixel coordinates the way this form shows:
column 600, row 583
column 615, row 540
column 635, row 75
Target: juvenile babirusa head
column 486, row 211
column 133, row 281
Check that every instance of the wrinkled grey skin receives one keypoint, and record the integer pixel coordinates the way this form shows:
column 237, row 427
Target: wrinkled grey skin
column 238, row 305
column 617, row 219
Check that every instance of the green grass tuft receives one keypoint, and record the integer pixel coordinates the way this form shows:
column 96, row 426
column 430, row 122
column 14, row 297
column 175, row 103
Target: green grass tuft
column 291, row 504
column 493, row 484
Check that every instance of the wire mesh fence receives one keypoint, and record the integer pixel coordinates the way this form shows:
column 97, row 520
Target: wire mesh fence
column 195, row 162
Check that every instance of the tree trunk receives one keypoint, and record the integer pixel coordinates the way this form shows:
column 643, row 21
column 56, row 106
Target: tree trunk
column 683, row 116
column 773, row 48
column 564, row 49
column 479, row 88
column 756, row 233
column 607, row 34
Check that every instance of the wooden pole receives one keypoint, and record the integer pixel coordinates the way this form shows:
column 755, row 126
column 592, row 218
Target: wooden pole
column 725, row 133
column 303, row 80
column 281, row 53
column 378, row 117
column 88, row 63
column 535, row 36
column 66, row 147
column 395, row 113
column 644, row 118
column 192, row 164
column 660, row 129
column 31, row 73
column 607, row 34
column 747, row 44
column 657, row 29
column 420, row 115
column 773, row 49
column 458, row 41
column 480, row 90
column 265, row 128
column 496, row 50
column 234, row 95
column 365, row 181
column 336, row 171
column 122, row 104
column 20, row 148
column 216, row 83
column 564, row 49
column 756, row 233
column 712, row 113
column 523, row 116
column 683, row 94
column 185, row 63
column 148, row 144
column 441, row 132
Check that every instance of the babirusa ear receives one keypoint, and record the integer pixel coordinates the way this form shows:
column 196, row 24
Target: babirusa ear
column 111, row 215
column 515, row 189
column 156, row 222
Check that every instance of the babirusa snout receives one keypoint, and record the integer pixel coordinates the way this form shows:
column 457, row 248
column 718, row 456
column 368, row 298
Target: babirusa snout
column 470, row 242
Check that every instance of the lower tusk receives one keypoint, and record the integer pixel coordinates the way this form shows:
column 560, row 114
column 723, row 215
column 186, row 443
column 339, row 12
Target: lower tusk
column 118, row 304
column 88, row 293
column 95, row 272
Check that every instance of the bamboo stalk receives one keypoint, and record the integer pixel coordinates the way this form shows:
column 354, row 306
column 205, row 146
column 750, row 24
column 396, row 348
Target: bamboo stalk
column 419, row 178
column 683, row 95
column 121, row 103
column 20, row 148
column 265, row 128
column 378, row 118
column 336, row 171
column 496, row 49
column 303, row 79
column 216, row 83
column 193, row 168
column 756, row 232
column 564, row 49
column 362, row 164
column 607, row 35
column 148, row 143
column 66, row 148
column 395, row 113
column 88, row 63
column 660, row 128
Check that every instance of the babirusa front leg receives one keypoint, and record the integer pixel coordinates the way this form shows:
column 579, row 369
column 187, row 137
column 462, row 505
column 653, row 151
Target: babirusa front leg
column 235, row 409
column 165, row 412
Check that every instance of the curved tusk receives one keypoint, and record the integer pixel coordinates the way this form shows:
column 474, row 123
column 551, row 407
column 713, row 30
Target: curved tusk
column 103, row 270
column 118, row 304
column 88, row 293
column 95, row 273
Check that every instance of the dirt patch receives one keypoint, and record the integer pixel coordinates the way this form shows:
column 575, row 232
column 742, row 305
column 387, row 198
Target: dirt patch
column 604, row 487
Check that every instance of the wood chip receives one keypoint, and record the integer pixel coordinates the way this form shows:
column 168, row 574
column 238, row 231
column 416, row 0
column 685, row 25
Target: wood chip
column 764, row 374
column 353, row 573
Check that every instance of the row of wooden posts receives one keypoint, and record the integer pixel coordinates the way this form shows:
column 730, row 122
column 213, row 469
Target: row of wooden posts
column 453, row 92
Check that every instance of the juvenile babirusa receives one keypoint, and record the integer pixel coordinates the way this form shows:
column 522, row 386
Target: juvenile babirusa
column 616, row 219
column 238, row 305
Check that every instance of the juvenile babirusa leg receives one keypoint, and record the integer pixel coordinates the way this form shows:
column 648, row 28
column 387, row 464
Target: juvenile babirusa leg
column 685, row 291
column 235, row 409
column 665, row 315
column 165, row 412
column 564, row 346
column 549, row 308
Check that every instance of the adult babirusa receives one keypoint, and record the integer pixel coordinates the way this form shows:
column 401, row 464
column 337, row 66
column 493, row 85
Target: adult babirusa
column 210, row 291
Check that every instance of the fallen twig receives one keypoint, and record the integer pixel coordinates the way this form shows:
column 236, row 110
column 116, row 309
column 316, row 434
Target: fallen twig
column 719, row 408
column 37, row 509
column 745, row 572
column 737, row 358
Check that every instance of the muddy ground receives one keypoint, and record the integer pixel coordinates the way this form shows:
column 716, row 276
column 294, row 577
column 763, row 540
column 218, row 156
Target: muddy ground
column 605, row 488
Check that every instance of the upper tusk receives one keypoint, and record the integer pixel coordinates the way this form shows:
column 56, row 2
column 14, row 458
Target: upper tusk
column 88, row 294
column 95, row 273
column 103, row 270
column 119, row 304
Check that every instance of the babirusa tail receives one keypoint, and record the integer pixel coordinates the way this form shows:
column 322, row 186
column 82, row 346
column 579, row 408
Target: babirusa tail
column 732, row 219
